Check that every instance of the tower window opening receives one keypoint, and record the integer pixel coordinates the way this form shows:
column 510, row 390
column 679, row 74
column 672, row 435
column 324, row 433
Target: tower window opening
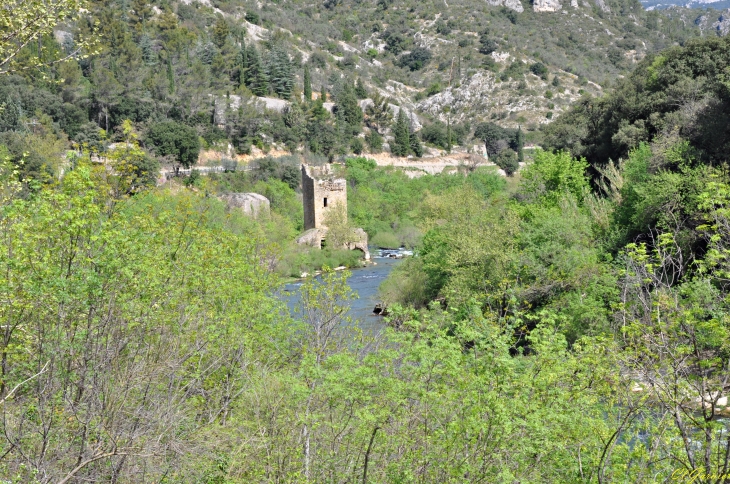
column 325, row 202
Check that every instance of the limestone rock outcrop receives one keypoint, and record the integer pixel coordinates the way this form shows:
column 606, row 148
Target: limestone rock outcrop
column 252, row 204
column 723, row 23
column 546, row 5
column 515, row 5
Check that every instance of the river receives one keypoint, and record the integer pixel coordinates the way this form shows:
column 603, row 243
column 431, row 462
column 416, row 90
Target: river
column 365, row 282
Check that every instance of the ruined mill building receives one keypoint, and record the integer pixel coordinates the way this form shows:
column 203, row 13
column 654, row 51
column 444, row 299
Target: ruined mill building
column 321, row 192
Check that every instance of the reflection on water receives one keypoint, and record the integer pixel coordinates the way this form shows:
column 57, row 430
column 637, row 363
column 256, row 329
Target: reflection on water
column 365, row 283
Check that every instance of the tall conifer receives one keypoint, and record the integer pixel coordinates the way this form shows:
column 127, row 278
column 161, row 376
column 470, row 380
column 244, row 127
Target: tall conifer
column 307, row 84
column 401, row 135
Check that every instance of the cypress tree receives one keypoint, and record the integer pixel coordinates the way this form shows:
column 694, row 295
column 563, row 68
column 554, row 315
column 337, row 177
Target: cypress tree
column 520, row 139
column 401, row 135
column 307, row 84
column 170, row 75
column 448, row 136
column 323, row 94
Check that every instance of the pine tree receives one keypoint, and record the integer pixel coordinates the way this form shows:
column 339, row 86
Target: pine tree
column 141, row 11
column 149, row 56
column 348, row 110
column 220, row 32
column 256, row 78
column 279, row 71
column 415, row 144
column 307, row 84
column 401, row 135
column 360, row 90
column 242, row 61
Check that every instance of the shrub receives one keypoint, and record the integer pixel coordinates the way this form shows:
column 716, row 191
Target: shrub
column 507, row 160
column 385, row 240
column 374, row 141
column 415, row 60
column 539, row 69
column 357, row 146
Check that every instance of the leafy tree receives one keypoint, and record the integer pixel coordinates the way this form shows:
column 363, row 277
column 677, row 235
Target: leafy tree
column 23, row 21
column 508, row 161
column 401, row 135
column 176, row 140
column 552, row 175
column 495, row 137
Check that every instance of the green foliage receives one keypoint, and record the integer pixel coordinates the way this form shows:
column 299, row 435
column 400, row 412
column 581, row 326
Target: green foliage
column 415, row 60
column 374, row 141
column 401, row 135
column 307, row 84
column 540, row 70
column 552, row 175
column 507, row 160
column 176, row 140
column 279, row 73
column 653, row 101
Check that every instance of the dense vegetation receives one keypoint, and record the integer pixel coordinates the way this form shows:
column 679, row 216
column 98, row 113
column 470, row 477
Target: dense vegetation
column 567, row 324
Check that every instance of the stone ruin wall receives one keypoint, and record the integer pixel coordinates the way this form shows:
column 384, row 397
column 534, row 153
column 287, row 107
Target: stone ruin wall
column 321, row 191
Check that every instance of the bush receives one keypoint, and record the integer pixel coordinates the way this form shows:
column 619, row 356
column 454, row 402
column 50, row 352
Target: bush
column 539, row 69
column 374, row 141
column 415, row 60
column 507, row 160
column 385, row 240
column 357, row 146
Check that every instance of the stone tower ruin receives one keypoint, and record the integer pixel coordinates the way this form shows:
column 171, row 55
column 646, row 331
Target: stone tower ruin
column 321, row 191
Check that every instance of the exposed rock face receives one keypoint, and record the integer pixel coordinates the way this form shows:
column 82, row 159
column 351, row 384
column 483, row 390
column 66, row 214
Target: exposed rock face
column 723, row 23
column 316, row 238
column 602, row 5
column 513, row 4
column 546, row 5
column 252, row 204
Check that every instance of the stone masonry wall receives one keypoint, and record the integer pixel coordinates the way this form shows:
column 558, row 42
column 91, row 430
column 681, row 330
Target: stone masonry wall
column 321, row 191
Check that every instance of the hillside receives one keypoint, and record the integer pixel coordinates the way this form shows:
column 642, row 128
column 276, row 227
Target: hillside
column 230, row 70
